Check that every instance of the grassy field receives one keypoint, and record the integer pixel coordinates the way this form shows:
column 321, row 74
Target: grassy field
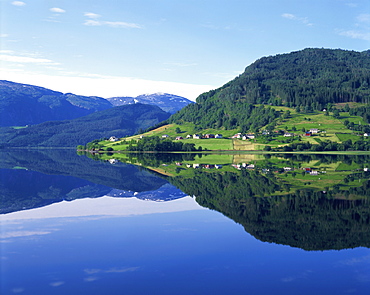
column 329, row 128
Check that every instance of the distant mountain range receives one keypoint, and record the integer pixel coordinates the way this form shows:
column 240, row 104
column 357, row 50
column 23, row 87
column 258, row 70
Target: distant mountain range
column 118, row 121
column 22, row 104
column 168, row 102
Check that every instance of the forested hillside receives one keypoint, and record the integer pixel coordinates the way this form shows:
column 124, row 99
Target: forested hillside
column 118, row 121
column 310, row 79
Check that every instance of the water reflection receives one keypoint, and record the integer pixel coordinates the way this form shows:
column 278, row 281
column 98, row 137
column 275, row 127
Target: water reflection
column 73, row 225
column 312, row 202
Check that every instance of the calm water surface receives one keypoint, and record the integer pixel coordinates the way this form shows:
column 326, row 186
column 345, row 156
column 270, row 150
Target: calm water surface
column 71, row 225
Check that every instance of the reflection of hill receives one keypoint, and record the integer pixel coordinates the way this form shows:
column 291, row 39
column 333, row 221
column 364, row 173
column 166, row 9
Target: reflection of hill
column 306, row 219
column 25, row 189
column 68, row 163
column 66, row 176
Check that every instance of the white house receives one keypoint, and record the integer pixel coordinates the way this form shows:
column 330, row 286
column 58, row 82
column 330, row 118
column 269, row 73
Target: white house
column 218, row 136
column 165, row 136
column 196, row 136
column 314, row 130
column 113, row 138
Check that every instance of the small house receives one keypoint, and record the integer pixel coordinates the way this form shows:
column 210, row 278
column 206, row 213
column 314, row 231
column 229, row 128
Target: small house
column 165, row 136
column 113, row 138
column 366, row 134
column 288, row 134
column 314, row 130
column 251, row 136
column 179, row 138
column 113, row 161
column 307, row 134
column 189, row 136
column 196, row 136
column 238, row 135
column 314, row 173
column 218, row 136
column 195, row 166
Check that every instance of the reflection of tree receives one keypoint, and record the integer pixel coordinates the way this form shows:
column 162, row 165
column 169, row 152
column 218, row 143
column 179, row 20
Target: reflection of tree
column 306, row 219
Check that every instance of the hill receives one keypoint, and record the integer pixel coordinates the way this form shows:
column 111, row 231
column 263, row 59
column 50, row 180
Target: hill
column 118, row 121
column 22, row 104
column 309, row 80
column 168, row 102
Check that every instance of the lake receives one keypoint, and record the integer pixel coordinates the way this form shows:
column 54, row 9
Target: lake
column 183, row 224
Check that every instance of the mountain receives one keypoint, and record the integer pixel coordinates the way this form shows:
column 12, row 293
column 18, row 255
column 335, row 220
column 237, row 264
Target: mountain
column 168, row 102
column 118, row 121
column 310, row 79
column 22, row 104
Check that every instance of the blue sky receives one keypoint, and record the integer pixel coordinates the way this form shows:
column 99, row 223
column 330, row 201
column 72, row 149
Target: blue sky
column 185, row 47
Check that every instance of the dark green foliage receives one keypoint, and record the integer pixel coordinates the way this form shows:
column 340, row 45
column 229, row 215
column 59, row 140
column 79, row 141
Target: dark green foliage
column 311, row 78
column 218, row 113
column 118, row 121
column 307, row 80
column 311, row 220
column 155, row 143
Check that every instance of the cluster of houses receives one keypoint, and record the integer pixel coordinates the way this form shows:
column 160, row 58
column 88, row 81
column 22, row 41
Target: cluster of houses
column 195, row 136
column 243, row 136
column 204, row 166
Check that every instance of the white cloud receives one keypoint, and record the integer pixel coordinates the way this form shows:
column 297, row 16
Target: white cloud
column 17, row 234
column 303, row 20
column 56, row 284
column 24, row 59
column 4, row 35
column 364, row 18
column 111, row 24
column 354, row 34
column 92, row 15
column 90, row 271
column 57, row 10
column 18, row 3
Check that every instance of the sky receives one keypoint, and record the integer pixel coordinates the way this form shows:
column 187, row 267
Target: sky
column 184, row 47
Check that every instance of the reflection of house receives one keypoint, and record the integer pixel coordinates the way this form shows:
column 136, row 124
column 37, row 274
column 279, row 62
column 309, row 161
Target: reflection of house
column 314, row 173
column 250, row 166
column 314, row 130
column 113, row 161
column 288, row 134
column 208, row 166
column 209, row 136
column 288, row 169
column 113, row 138
column 307, row 134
